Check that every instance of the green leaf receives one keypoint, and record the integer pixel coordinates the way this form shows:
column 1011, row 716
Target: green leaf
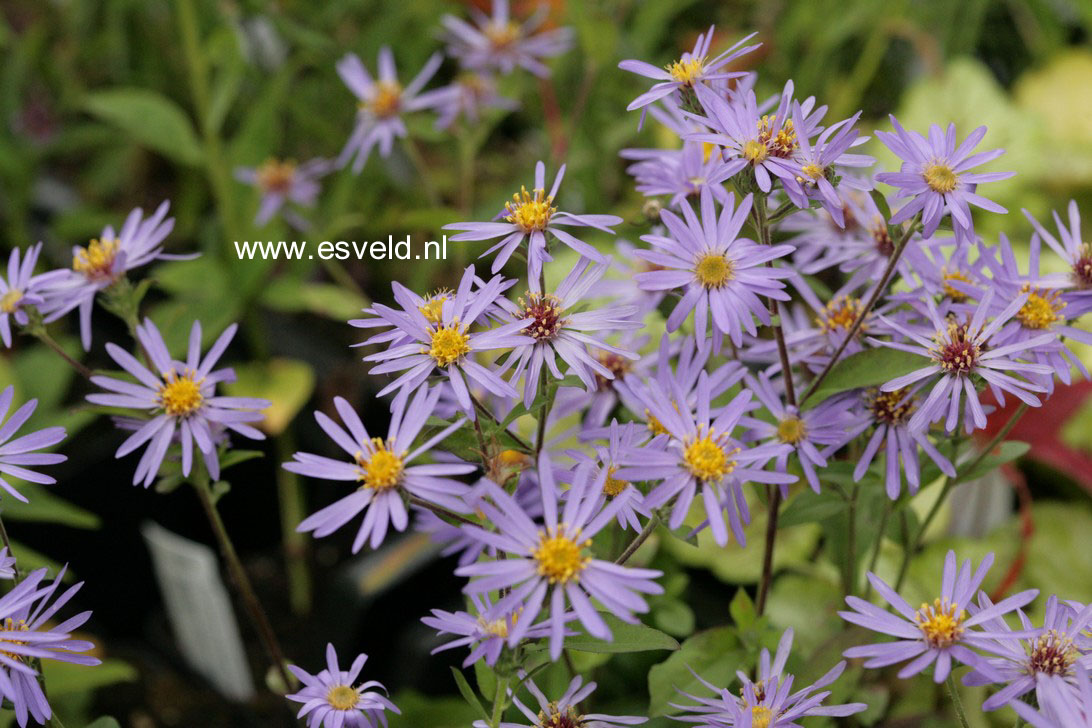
column 64, row 678
column 287, row 383
column 868, row 368
column 44, row 507
column 1007, row 452
column 468, row 692
column 714, row 654
column 742, row 610
column 625, row 638
column 325, row 299
column 809, row 506
column 149, row 119
column 104, row 722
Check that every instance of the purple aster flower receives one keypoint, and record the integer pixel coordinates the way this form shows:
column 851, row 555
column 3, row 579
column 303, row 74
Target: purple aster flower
column 945, row 270
column 382, row 469
column 897, row 444
column 1074, row 251
column 596, row 408
column 934, row 633
column 701, row 455
column 332, row 698
column 497, row 42
column 935, row 173
column 471, row 94
column 485, row 631
column 1024, row 663
column 21, row 289
column 609, row 457
column 284, row 182
column 768, row 701
column 530, row 216
column 816, row 163
column 556, row 331
column 563, row 712
column 826, row 425
column 722, row 275
column 179, row 395
column 17, row 454
column 383, row 100
column 29, row 633
column 105, row 261
column 554, row 558
column 1061, row 705
column 692, row 71
column 7, row 564
column 959, row 350
column 446, row 342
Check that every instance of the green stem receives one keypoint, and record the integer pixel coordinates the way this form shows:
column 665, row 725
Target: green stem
column 887, row 508
column 441, row 511
column 423, row 173
column 292, row 510
column 43, row 336
column 954, row 691
column 850, row 585
column 635, row 544
column 499, row 700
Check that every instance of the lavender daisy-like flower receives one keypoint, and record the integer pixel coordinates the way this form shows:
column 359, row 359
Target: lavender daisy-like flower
column 21, row 289
column 381, row 468
column 556, row 331
column 565, row 711
column 609, row 457
column 105, row 261
column 936, row 174
column 816, row 163
column 7, row 564
column 485, row 631
column 16, row 455
column 30, row 633
column 826, row 425
column 894, row 441
column 768, row 701
column 692, row 70
column 934, row 634
column 701, row 455
column 959, row 350
column 333, row 698
column 496, row 41
column 382, row 101
column 471, row 94
column 446, row 343
column 1061, row 705
column 1076, row 252
column 282, row 182
column 553, row 558
column 1025, row 662
column 530, row 216
column 722, row 275
column 180, row 396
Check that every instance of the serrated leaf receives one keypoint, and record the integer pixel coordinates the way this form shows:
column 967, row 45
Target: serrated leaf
column 149, row 119
column 868, row 368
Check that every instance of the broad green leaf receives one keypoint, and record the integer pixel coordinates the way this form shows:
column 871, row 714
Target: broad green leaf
column 809, row 506
column 868, row 368
column 625, row 637
column 149, row 119
column 325, row 299
column 104, row 722
column 64, row 678
column 1007, row 452
column 287, row 383
column 715, row 654
column 435, row 712
column 44, row 507
column 742, row 610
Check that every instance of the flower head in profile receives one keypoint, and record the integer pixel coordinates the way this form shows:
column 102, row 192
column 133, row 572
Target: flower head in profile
column 565, row 711
column 381, row 103
column 936, row 633
column 7, row 564
column 104, row 261
column 701, row 457
column 553, row 561
column 485, row 631
column 532, row 216
column 334, row 697
column 16, row 455
column 959, row 350
column 180, row 398
column 1061, row 705
column 1072, row 248
column 936, row 174
column 472, row 93
column 722, row 276
column 21, row 289
column 283, row 182
column 498, row 42
column 29, row 633
column 382, row 471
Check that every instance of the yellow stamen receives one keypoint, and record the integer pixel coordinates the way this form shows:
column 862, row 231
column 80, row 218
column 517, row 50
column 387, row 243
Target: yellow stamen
column 531, row 211
column 560, row 558
column 502, row 35
column 612, row 486
column 433, row 307
column 813, row 171
column 96, row 261
column 10, row 625
column 686, row 70
column 1042, row 309
column 382, row 468
column 941, row 623
column 181, row 395
column 342, row 697
column 791, row 430
column 654, row 425
column 951, row 291
column 706, row 459
column 386, row 101
column 839, row 315
column 783, row 143
column 276, row 176
column 761, row 717
column 755, row 151
column 714, row 270
column 449, row 344
column 940, row 177
column 10, row 300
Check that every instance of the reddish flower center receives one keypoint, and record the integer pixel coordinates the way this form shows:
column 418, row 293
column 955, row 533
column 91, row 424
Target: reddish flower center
column 1082, row 267
column 1052, row 654
column 954, row 352
column 545, row 312
column 891, row 408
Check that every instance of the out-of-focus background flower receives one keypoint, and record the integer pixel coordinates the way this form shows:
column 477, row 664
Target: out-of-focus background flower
column 113, row 104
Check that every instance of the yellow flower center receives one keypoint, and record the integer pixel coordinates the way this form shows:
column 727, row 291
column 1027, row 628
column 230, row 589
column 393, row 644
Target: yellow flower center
column 433, row 307
column 707, row 149
column 1042, row 309
column 181, row 395
column 554, row 717
column 342, row 697
column 10, row 300
column 952, row 292
column 707, row 459
column 761, row 717
column 940, row 177
column 755, row 151
column 613, row 486
column 531, row 211
column 383, row 467
column 714, row 270
column 560, row 558
column 791, row 430
column 96, row 261
column 813, row 171
column 654, row 425
column 783, row 143
column 891, row 408
column 387, row 99
column 839, row 315
column 449, row 344
column 276, row 176
column 502, row 35
column 941, row 623
column 497, row 627
column 10, row 625
column 686, row 70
